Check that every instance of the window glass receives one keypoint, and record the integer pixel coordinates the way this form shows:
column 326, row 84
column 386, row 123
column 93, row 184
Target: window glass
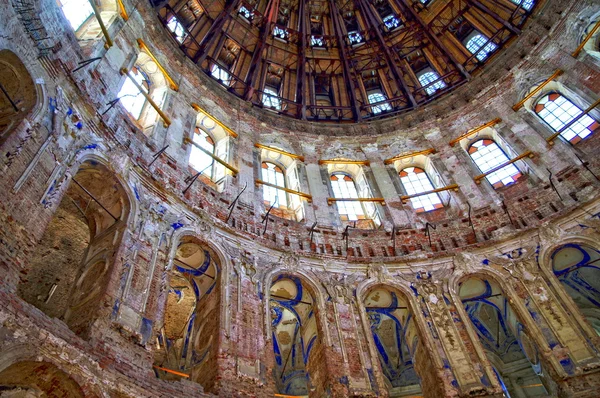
column 273, row 174
column 487, row 155
column 199, row 159
column 415, row 180
column 271, row 98
column 343, row 187
column 427, row 80
column 316, row 41
column 557, row 111
column 391, row 21
column 525, row 4
column 177, row 28
column 246, row 13
column 77, row 11
column 355, row 37
column 280, row 32
column 130, row 96
column 378, row 97
column 476, row 43
column 220, row 74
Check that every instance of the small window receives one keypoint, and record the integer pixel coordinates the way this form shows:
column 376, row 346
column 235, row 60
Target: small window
column 415, row 180
column 391, row 22
column 274, row 174
column 271, row 98
column 477, row 45
column 280, row 33
column 246, row 13
column 557, row 111
column 343, row 187
column 431, row 82
column 525, row 4
column 200, row 160
column 221, row 75
column 177, row 29
column 76, row 12
column 487, row 155
column 130, row 96
column 317, row 41
column 378, row 97
column 355, row 37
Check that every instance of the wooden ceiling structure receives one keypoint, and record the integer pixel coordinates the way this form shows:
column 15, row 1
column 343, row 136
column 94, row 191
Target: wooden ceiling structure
column 322, row 60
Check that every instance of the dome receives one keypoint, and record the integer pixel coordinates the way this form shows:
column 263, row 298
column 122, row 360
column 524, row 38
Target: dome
column 342, row 61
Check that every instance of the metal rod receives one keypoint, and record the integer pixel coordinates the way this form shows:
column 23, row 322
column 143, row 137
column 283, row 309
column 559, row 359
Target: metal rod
column 566, row 126
column 312, row 232
column 166, row 74
column 552, row 184
column 409, row 155
column 454, row 187
column 503, row 165
column 358, row 162
column 586, row 39
column 520, row 104
column 505, row 208
column 471, row 221
column 475, row 130
column 428, row 232
column 157, row 155
column 214, row 119
column 394, row 239
column 9, row 99
column 232, row 205
column 98, row 16
column 219, row 160
column 301, row 194
column 266, row 217
column 290, row 299
column 189, row 266
column 171, row 371
column 346, row 234
column 291, row 155
column 85, row 63
column 165, row 118
column 585, row 164
column 95, row 200
column 378, row 200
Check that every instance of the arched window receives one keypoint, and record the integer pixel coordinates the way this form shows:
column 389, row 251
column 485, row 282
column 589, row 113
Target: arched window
column 487, row 155
column 271, row 98
column 199, row 159
column 177, row 29
column 144, row 77
column 274, row 174
column 503, row 336
column 557, row 111
column 431, row 81
column 76, row 12
column 577, row 267
column 395, row 336
column 343, row 187
column 525, row 4
column 80, row 15
column 477, row 45
column 376, row 97
column 415, row 180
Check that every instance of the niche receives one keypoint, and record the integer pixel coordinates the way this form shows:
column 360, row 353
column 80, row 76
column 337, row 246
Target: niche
column 187, row 343
column 577, row 267
column 394, row 332
column 513, row 355
column 300, row 368
column 70, row 268
column 18, row 95
column 37, row 379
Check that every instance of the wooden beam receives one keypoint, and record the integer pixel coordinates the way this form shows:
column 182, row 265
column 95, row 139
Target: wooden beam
column 586, row 39
column 165, row 118
column 501, row 166
column 475, row 130
column 359, row 162
column 301, row 69
column 291, row 155
column 520, row 104
column 215, row 30
column 377, row 200
column 301, row 194
column 211, row 117
column 409, row 155
column 235, row 171
column 405, row 198
column 497, row 17
column 170, row 80
column 551, row 139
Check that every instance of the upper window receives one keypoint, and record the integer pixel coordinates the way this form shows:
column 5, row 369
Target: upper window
column 271, row 98
column 76, row 12
column 487, row 155
column 477, row 45
column 352, row 186
column 130, row 95
column 557, row 111
column 391, row 21
column 525, row 4
column 355, row 37
column 431, row 81
column 344, row 188
column 415, row 181
column 220, row 74
column 274, row 174
column 317, row 41
column 246, row 13
column 378, row 98
column 177, row 29
column 280, row 33
column 199, row 159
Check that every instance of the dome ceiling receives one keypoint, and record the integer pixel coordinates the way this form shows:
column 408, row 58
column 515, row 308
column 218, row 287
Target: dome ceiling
column 342, row 60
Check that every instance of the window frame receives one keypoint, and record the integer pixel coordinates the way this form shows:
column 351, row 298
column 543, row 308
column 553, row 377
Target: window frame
column 500, row 183
column 433, row 86
column 421, row 197
column 482, row 53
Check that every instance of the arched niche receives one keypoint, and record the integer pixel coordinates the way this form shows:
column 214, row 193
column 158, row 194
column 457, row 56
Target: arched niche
column 508, row 347
column 37, row 379
column 18, row 95
column 187, row 343
column 396, row 339
column 71, row 265
column 577, row 267
column 300, row 368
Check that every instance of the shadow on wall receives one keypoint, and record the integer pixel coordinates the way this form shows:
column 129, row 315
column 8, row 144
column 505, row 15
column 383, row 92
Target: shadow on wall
column 31, row 379
column 70, row 267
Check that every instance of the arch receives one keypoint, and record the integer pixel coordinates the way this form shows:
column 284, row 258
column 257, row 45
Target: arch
column 81, row 16
column 146, row 74
column 505, row 337
column 19, row 96
column 33, row 377
column 487, row 155
column 295, row 327
column 188, row 339
column 70, row 268
column 577, row 268
column 559, row 112
column 348, row 181
column 416, row 180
